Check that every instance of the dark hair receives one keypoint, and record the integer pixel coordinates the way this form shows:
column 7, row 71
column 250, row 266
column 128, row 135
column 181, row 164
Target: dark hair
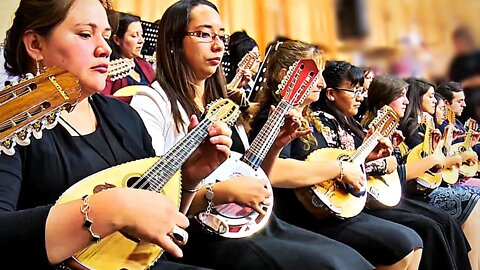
column 416, row 89
column 383, row 90
column 438, row 97
column 463, row 32
column 240, row 44
column 173, row 72
column 124, row 20
column 335, row 73
column 447, row 89
column 40, row 16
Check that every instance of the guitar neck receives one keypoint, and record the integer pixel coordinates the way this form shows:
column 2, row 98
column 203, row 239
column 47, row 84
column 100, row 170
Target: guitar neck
column 468, row 139
column 427, row 141
column 362, row 152
column 448, row 138
column 264, row 140
column 162, row 171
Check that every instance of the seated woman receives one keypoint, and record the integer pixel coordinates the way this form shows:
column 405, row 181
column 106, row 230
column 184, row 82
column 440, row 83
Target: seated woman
column 99, row 133
column 165, row 110
column 403, row 248
column 460, row 204
column 444, row 243
column 127, row 45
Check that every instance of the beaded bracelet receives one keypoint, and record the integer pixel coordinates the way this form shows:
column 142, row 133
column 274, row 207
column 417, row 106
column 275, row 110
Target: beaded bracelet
column 196, row 189
column 88, row 222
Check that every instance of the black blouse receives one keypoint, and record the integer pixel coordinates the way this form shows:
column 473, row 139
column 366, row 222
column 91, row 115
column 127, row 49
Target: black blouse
column 35, row 177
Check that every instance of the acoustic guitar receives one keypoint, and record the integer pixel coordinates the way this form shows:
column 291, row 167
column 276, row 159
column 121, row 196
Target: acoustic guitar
column 432, row 178
column 332, row 196
column 449, row 175
column 468, row 168
column 33, row 105
column 158, row 174
column 235, row 221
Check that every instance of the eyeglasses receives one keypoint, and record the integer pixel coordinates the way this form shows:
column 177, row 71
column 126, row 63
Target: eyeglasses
column 357, row 91
column 209, row 37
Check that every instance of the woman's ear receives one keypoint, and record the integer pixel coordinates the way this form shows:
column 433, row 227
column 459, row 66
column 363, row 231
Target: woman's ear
column 330, row 95
column 116, row 40
column 34, row 43
column 282, row 73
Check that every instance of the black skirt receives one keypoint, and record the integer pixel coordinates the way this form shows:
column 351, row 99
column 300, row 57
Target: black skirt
column 444, row 244
column 278, row 246
column 380, row 241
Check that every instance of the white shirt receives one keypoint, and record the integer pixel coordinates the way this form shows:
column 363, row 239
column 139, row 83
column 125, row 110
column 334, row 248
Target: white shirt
column 154, row 107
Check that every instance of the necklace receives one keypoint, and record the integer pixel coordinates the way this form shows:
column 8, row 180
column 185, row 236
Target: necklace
column 91, row 145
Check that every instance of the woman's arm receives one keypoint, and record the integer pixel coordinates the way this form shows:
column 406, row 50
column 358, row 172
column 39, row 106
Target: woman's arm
column 415, row 169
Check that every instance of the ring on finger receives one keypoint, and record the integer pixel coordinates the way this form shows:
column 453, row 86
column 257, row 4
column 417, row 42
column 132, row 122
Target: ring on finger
column 178, row 235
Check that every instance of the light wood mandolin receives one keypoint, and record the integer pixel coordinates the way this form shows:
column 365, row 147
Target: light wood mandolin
column 158, row 174
column 332, row 196
column 33, row 105
column 468, row 168
column 432, row 178
column 449, row 175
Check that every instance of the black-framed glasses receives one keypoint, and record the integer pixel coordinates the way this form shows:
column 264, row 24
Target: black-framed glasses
column 357, row 91
column 209, row 37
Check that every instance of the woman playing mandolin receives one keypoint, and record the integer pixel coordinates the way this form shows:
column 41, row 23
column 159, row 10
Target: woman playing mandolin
column 189, row 77
column 403, row 248
column 99, row 133
column 443, row 240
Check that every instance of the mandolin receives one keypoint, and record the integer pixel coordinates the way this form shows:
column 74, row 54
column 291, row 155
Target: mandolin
column 384, row 190
column 332, row 196
column 432, row 178
column 120, row 68
column 33, row 105
column 238, row 94
column 158, row 174
column 449, row 175
column 468, row 168
column 235, row 221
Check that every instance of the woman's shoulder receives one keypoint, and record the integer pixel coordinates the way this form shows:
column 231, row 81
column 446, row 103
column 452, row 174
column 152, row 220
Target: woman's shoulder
column 152, row 95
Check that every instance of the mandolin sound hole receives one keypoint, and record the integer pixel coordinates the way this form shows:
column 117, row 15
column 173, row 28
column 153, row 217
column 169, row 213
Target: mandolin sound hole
column 137, row 182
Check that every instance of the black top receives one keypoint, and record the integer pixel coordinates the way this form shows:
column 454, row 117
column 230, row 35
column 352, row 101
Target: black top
column 35, row 177
column 465, row 66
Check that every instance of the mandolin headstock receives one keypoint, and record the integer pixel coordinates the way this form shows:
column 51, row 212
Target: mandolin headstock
column 297, row 83
column 120, row 68
column 386, row 121
column 32, row 105
column 224, row 110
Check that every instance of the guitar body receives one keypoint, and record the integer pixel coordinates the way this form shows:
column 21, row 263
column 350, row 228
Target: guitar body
column 385, row 189
column 428, row 179
column 238, row 221
column 117, row 251
column 450, row 175
column 330, row 196
column 467, row 169
column 128, row 91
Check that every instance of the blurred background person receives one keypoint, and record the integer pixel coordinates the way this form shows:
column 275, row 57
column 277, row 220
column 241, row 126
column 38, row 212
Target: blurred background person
column 127, row 44
column 465, row 69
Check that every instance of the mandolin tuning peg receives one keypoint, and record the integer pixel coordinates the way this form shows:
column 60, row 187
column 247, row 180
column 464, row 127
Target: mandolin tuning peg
column 7, row 146
column 52, row 119
column 38, row 128
column 23, row 136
